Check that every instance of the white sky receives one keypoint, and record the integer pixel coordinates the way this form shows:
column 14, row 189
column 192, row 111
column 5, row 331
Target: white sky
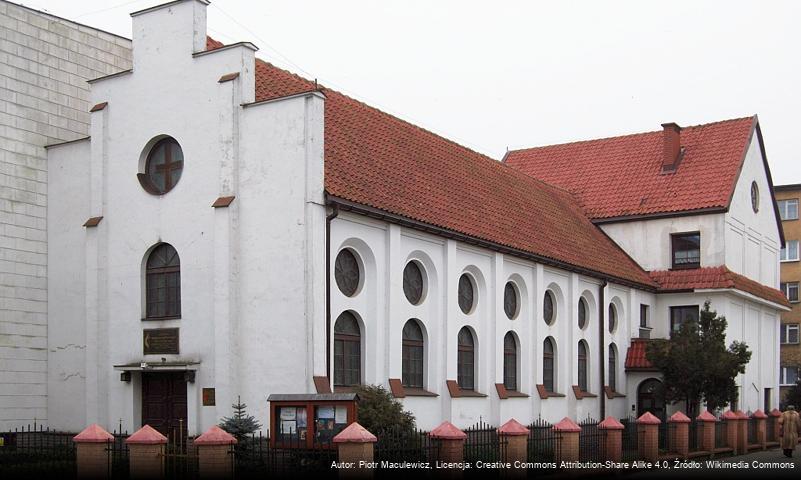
column 492, row 75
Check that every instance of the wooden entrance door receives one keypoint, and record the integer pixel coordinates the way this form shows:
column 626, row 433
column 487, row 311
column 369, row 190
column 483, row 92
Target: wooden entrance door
column 649, row 398
column 164, row 402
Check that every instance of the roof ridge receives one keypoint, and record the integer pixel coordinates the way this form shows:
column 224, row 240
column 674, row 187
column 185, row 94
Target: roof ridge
column 626, row 135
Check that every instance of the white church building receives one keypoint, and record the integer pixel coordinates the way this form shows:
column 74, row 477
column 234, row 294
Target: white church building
column 231, row 229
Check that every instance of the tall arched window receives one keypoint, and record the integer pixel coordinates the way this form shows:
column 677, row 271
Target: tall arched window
column 347, row 351
column 548, row 370
column 412, row 355
column 163, row 283
column 510, row 362
column 582, row 313
column 582, row 365
column 612, row 318
column 465, row 362
column 612, row 374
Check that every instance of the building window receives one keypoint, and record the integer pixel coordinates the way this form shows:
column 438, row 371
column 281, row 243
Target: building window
column 510, row 300
column 465, row 362
column 788, row 209
column 681, row 315
column 582, row 313
column 788, row 375
column 789, row 333
column 548, row 364
column 347, row 351
column 643, row 315
column 612, row 373
column 412, row 362
column 582, row 366
column 754, row 197
column 347, row 272
column 510, row 362
column 612, row 318
column 413, row 283
column 163, row 283
column 548, row 311
column 467, row 298
column 686, row 250
column 163, row 166
column 790, row 290
column 790, row 251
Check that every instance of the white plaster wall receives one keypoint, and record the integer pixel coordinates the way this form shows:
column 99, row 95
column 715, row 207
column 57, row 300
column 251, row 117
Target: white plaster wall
column 752, row 239
column 44, row 98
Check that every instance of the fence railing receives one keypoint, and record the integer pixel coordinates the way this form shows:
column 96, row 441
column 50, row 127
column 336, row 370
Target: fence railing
column 770, row 430
column 542, row 442
column 590, row 440
column 36, row 450
column 483, row 443
column 629, row 438
column 404, row 445
column 752, row 431
column 693, row 432
column 720, row 434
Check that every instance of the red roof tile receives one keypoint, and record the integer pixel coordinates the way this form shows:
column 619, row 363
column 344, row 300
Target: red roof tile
column 377, row 160
column 713, row 278
column 621, row 176
column 636, row 355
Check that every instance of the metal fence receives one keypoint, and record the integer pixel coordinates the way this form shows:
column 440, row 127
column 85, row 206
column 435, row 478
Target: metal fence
column 629, row 438
column 483, row 443
column 397, row 445
column 542, row 442
column 770, row 430
column 590, row 440
column 693, row 432
column 255, row 457
column 752, row 431
column 664, row 432
column 118, row 464
column 720, row 434
column 36, row 451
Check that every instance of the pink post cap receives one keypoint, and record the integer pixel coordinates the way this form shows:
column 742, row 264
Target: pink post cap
column 355, row 433
column 610, row 423
column 648, row 418
column 215, row 436
column 94, row 433
column 679, row 417
column 146, row 435
column 567, row 425
column 512, row 428
column 447, row 431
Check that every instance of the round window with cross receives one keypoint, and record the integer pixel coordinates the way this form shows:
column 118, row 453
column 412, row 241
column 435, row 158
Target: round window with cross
column 163, row 167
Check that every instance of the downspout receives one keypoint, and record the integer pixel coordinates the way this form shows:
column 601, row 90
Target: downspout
column 334, row 214
column 601, row 347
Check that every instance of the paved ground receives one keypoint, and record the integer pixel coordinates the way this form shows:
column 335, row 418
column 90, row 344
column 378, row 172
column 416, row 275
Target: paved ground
column 768, row 464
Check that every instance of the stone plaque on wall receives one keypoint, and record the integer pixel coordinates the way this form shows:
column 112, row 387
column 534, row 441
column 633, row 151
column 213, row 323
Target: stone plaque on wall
column 157, row 341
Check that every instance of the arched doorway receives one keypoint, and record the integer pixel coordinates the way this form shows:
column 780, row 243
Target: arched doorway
column 650, row 398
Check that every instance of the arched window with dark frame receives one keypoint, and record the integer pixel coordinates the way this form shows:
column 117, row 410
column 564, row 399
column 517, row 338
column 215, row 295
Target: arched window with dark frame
column 582, row 366
column 548, row 370
column 612, row 373
column 163, row 283
column 412, row 355
column 465, row 362
column 347, row 351
column 510, row 362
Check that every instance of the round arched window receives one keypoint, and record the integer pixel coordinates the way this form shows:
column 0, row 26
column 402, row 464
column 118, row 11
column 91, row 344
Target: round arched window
column 612, row 318
column 582, row 313
column 754, row 197
column 466, row 294
column 347, row 273
column 548, row 313
column 510, row 300
column 164, row 165
column 413, row 283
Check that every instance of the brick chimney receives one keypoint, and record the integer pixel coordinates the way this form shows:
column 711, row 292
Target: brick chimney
column 671, row 146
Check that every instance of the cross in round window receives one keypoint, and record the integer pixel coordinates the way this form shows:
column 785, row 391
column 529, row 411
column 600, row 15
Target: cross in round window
column 164, row 165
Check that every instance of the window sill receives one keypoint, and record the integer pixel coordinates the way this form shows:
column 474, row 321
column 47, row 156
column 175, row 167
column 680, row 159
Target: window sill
column 156, row 319
column 582, row 394
column 545, row 394
column 790, row 261
column 345, row 389
column 610, row 394
column 686, row 267
column 504, row 393
column 418, row 392
column 456, row 391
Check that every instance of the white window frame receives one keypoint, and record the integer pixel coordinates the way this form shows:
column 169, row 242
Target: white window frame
column 787, row 251
column 786, row 287
column 786, row 328
column 784, row 208
column 783, row 375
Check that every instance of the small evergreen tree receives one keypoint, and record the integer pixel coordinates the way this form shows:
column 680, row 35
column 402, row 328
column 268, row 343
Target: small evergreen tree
column 240, row 425
column 379, row 410
column 696, row 365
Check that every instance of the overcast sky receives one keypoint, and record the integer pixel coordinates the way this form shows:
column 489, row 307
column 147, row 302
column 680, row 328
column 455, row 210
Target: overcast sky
column 498, row 75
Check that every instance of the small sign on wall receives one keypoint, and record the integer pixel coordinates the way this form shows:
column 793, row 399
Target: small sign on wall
column 209, row 399
column 157, row 341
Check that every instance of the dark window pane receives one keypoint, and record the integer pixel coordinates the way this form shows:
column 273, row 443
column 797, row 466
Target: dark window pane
column 466, row 294
column 681, row 315
column 412, row 355
column 687, row 250
column 547, row 308
column 413, row 283
column 510, row 300
column 163, row 283
column 347, row 273
column 612, row 318
column 612, row 374
column 464, row 364
column 164, row 165
column 643, row 316
column 582, row 313
column 347, row 351
column 548, row 365
column 510, row 362
column 582, row 366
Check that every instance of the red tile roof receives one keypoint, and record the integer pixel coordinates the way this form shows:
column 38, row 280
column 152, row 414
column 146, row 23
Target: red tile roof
column 713, row 278
column 622, row 176
column 635, row 355
column 379, row 161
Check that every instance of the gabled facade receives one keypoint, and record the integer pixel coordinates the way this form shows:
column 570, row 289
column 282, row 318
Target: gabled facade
column 231, row 229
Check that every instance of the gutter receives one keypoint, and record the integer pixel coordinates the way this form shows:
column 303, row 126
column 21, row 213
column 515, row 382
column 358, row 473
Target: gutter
column 601, row 347
column 331, row 216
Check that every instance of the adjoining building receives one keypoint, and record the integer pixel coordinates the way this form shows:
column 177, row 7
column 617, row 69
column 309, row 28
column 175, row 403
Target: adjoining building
column 787, row 197
column 232, row 229
column 44, row 98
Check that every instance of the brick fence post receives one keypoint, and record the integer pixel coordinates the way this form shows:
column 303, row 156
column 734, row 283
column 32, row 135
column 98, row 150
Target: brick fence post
column 355, row 446
column 742, row 433
column 761, row 428
column 679, row 436
column 451, row 447
column 215, row 456
column 774, row 417
column 146, row 453
column 732, row 430
column 92, row 452
column 648, row 436
column 567, row 443
column 612, row 442
column 515, row 436
column 706, row 428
